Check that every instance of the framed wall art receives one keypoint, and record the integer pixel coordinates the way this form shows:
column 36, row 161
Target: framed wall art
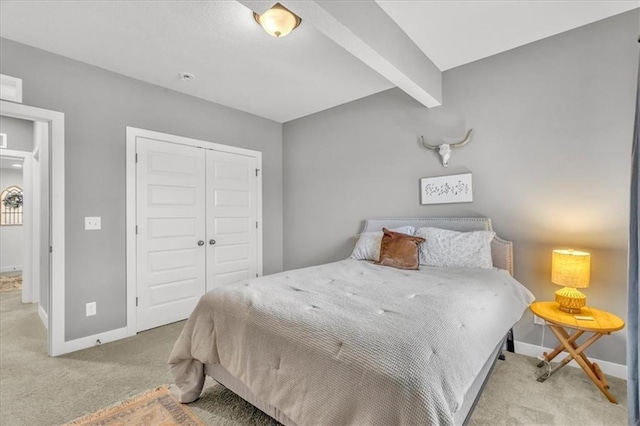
column 446, row 189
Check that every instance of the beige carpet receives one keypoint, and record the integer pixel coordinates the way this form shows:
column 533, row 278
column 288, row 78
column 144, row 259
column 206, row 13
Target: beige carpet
column 38, row 390
column 10, row 282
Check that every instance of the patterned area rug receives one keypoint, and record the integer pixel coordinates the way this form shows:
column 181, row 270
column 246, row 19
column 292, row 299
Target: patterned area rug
column 10, row 283
column 157, row 407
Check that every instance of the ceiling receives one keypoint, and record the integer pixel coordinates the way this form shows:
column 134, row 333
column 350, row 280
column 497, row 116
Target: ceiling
column 454, row 33
column 8, row 163
column 329, row 60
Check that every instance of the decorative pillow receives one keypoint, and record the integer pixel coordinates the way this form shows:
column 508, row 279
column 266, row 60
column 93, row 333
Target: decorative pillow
column 400, row 250
column 368, row 245
column 456, row 249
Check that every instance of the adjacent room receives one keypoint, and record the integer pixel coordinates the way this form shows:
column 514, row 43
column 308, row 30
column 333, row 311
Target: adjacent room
column 319, row 212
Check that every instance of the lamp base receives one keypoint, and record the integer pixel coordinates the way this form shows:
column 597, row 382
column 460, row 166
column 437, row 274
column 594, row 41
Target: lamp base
column 570, row 300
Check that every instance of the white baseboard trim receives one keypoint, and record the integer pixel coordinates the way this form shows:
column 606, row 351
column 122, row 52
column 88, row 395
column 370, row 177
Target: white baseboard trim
column 43, row 316
column 610, row 368
column 14, row 268
column 89, row 341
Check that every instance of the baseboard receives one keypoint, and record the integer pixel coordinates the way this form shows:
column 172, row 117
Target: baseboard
column 610, row 368
column 14, row 268
column 89, row 341
column 43, row 316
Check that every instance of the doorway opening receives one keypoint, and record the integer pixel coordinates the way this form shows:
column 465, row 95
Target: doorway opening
column 23, row 266
column 32, row 205
column 12, row 253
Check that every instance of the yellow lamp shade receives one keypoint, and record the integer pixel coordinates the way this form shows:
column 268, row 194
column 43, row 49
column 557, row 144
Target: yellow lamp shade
column 278, row 21
column 571, row 268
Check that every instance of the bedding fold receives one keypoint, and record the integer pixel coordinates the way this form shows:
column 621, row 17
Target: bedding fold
column 351, row 342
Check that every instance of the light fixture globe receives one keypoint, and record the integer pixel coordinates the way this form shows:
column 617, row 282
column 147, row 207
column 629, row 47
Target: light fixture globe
column 278, row 21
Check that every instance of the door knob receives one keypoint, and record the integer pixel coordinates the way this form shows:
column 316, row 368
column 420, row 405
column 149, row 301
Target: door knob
column 200, row 243
column 212, row 242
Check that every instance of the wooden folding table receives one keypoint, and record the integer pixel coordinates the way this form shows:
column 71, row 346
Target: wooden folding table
column 600, row 324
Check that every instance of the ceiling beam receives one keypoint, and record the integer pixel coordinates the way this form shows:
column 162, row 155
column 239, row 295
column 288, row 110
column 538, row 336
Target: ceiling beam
column 258, row 6
column 368, row 33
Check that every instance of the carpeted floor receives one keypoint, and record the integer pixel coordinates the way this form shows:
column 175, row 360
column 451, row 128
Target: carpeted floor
column 38, row 390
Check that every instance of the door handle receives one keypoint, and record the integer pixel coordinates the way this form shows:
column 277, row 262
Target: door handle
column 212, row 242
column 200, row 243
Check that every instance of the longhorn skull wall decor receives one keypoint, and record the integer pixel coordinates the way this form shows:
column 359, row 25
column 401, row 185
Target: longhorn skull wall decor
column 444, row 149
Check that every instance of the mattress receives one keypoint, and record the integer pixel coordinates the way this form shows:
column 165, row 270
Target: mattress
column 352, row 342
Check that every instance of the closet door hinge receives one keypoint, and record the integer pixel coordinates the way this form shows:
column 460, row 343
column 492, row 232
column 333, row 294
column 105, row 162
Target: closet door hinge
column 136, row 301
column 136, row 229
column 50, row 249
column 136, row 157
column 256, row 225
column 257, row 170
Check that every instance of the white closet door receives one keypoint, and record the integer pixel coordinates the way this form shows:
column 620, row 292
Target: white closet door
column 171, row 231
column 232, row 249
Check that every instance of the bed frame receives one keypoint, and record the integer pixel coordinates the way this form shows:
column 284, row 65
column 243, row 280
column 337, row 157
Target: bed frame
column 502, row 254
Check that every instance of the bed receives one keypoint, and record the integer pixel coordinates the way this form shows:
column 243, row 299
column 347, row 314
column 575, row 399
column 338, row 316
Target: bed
column 352, row 342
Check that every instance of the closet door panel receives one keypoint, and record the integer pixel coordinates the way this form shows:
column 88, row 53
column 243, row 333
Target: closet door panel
column 170, row 206
column 231, row 218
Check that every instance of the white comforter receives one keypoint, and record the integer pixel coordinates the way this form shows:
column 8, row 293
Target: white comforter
column 351, row 342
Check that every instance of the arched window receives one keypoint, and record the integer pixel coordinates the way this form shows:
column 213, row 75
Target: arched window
column 11, row 206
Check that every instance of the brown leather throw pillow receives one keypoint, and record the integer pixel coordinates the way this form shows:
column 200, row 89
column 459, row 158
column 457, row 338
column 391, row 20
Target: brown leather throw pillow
column 399, row 250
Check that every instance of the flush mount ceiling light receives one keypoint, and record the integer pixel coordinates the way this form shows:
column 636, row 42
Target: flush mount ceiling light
column 278, row 21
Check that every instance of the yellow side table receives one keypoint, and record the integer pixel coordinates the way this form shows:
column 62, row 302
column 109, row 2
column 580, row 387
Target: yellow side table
column 589, row 320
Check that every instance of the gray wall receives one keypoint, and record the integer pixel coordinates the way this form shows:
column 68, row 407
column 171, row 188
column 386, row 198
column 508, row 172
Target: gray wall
column 11, row 237
column 98, row 105
column 19, row 133
column 550, row 161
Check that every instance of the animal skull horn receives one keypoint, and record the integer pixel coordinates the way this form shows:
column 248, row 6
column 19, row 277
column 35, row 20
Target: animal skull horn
column 444, row 149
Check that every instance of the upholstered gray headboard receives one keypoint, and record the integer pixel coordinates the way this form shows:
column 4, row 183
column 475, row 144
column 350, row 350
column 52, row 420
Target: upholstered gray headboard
column 501, row 250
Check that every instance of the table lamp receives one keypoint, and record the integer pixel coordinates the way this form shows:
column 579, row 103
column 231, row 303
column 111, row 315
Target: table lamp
column 570, row 269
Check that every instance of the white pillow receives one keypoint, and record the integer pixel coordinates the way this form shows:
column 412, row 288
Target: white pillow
column 456, row 249
column 368, row 245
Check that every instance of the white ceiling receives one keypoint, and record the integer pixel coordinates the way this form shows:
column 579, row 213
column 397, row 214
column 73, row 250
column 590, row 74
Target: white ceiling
column 234, row 61
column 236, row 64
column 8, row 163
column 454, row 33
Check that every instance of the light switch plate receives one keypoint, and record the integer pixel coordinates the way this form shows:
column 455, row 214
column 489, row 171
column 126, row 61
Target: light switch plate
column 92, row 223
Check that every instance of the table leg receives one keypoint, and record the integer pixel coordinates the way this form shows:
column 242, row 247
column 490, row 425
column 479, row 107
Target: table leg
column 562, row 334
column 575, row 346
column 559, row 348
column 575, row 353
column 600, row 374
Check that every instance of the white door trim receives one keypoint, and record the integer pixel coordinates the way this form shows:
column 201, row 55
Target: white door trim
column 131, row 134
column 56, row 344
column 29, row 292
column 38, row 173
column 12, row 152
